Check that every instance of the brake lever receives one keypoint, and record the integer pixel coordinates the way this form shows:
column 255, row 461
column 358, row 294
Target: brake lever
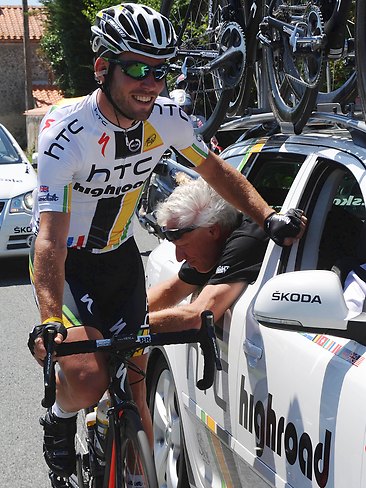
column 210, row 350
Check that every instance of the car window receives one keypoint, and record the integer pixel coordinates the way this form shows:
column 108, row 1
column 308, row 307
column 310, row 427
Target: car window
column 8, row 154
column 344, row 223
column 272, row 175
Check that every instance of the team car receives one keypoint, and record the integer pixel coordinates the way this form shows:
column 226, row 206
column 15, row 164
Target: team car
column 17, row 182
column 287, row 409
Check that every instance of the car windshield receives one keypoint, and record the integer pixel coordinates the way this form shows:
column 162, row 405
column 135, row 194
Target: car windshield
column 8, row 154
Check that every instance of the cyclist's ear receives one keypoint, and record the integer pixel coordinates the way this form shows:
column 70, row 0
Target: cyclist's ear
column 100, row 69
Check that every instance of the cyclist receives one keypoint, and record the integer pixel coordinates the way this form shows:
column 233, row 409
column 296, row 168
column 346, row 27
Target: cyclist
column 94, row 156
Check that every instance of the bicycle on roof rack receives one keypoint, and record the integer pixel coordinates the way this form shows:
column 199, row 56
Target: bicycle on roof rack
column 235, row 56
column 113, row 453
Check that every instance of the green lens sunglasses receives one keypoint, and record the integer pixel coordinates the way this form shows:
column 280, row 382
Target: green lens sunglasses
column 140, row 71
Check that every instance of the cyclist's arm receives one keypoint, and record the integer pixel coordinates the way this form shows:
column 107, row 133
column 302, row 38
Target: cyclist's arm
column 216, row 298
column 49, row 266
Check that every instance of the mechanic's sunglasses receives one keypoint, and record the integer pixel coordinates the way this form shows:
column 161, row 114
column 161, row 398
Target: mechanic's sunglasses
column 175, row 234
column 140, row 71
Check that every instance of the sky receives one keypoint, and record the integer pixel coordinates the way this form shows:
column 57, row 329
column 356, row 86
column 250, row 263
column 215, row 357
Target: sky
column 31, row 3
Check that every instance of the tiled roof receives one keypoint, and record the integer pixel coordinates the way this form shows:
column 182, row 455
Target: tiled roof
column 44, row 95
column 11, row 23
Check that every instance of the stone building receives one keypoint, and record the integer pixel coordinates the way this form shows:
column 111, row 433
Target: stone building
column 12, row 76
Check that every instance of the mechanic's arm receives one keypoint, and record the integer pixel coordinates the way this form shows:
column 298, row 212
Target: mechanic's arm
column 49, row 269
column 168, row 293
column 232, row 186
column 217, row 298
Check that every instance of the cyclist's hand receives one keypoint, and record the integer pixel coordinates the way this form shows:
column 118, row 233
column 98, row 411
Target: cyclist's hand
column 36, row 343
column 285, row 229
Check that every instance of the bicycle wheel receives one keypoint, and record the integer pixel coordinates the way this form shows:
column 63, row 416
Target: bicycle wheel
column 199, row 67
column 339, row 83
column 293, row 67
column 135, row 460
column 361, row 52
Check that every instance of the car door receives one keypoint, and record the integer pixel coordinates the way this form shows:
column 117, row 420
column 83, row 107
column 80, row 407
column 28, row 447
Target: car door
column 297, row 421
column 210, row 417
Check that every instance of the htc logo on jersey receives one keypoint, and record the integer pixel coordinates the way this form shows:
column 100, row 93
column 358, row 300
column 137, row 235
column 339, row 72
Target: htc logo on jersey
column 63, row 137
column 103, row 175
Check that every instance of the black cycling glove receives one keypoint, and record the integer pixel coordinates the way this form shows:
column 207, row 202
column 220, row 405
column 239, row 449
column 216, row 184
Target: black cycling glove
column 39, row 330
column 279, row 226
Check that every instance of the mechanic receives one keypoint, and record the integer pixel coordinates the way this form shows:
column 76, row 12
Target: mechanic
column 222, row 250
column 94, row 157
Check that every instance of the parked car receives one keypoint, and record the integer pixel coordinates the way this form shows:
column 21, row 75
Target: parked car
column 288, row 408
column 17, row 181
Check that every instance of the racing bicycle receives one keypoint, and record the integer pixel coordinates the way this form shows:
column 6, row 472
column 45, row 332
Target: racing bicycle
column 244, row 56
column 110, row 460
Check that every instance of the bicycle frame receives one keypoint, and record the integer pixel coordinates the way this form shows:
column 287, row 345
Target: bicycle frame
column 332, row 39
column 121, row 399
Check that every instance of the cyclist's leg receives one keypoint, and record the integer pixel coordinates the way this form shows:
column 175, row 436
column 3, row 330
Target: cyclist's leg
column 81, row 380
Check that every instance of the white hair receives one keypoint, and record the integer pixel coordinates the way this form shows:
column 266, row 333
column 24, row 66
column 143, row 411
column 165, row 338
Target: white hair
column 194, row 202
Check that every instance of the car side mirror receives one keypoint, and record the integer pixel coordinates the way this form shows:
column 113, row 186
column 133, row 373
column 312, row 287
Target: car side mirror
column 161, row 168
column 307, row 301
column 35, row 160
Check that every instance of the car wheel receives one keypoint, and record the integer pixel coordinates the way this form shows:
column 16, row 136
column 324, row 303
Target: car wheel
column 168, row 435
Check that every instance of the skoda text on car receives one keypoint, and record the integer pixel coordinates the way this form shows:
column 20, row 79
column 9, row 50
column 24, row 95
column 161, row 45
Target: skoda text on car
column 288, row 408
column 17, row 181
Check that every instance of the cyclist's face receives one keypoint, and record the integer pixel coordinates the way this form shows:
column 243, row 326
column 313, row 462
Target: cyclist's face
column 136, row 97
column 201, row 248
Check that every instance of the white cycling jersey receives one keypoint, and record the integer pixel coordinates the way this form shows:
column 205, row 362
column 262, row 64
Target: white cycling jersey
column 95, row 170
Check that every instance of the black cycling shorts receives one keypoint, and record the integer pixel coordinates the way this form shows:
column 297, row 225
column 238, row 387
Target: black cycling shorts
column 106, row 291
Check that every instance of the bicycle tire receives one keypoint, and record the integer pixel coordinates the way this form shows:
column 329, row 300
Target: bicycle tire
column 361, row 53
column 247, row 94
column 133, row 439
column 339, row 84
column 293, row 79
column 211, row 91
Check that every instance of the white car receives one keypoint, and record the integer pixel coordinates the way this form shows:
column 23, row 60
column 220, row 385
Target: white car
column 17, row 181
column 288, row 408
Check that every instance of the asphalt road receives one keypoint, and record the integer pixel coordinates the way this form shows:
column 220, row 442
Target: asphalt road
column 21, row 459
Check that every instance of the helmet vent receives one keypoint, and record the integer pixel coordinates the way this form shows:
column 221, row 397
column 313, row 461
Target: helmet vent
column 144, row 27
column 126, row 25
column 158, row 33
column 168, row 29
column 111, row 32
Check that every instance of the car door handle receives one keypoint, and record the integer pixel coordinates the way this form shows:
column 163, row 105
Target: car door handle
column 253, row 352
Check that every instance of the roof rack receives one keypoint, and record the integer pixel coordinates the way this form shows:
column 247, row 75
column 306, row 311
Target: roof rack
column 356, row 128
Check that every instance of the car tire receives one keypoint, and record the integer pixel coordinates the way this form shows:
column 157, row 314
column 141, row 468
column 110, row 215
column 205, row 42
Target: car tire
column 169, row 447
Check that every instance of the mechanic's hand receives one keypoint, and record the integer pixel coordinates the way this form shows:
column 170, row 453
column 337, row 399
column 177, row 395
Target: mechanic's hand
column 285, row 229
column 36, row 343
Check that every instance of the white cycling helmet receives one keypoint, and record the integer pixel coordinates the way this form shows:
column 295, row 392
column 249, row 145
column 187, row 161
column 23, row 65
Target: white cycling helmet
column 135, row 28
